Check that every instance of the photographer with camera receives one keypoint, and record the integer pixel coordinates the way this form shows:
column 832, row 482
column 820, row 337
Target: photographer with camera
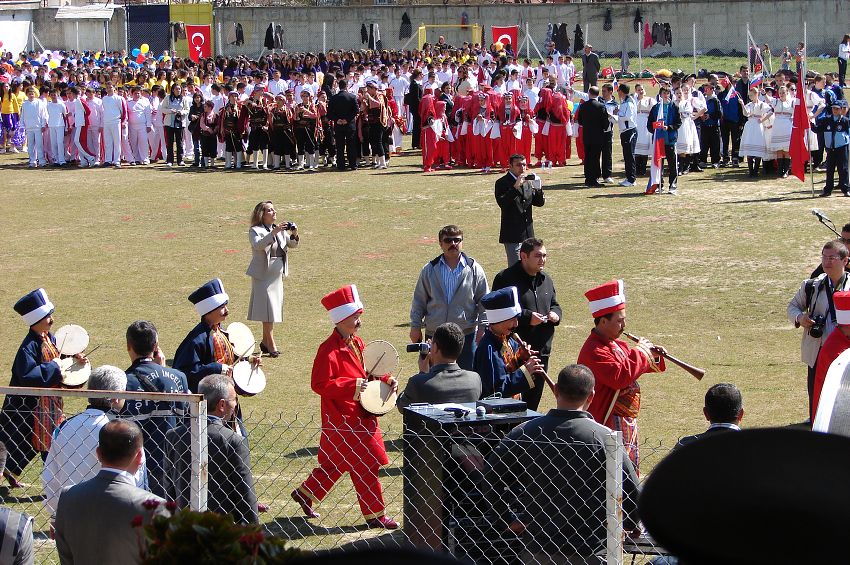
column 270, row 245
column 440, row 379
column 516, row 193
column 813, row 308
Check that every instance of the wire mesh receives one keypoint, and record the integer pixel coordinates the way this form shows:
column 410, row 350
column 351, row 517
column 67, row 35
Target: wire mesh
column 452, row 489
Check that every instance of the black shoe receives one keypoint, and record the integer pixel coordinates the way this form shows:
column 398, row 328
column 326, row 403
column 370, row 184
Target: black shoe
column 594, row 184
column 825, row 194
column 263, row 348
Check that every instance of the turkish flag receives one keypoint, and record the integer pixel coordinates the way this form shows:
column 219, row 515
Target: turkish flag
column 505, row 35
column 199, row 40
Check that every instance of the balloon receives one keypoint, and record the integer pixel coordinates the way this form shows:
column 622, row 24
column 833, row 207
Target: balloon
column 52, row 64
column 139, row 58
column 97, row 56
column 166, row 58
column 1, row 44
column 145, row 47
column 135, row 52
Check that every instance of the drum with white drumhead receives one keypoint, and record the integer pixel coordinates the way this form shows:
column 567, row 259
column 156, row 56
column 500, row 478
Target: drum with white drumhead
column 248, row 379
column 71, row 339
column 379, row 358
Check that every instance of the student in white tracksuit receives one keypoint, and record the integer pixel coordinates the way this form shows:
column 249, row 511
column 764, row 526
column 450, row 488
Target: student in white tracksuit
column 95, row 131
column 114, row 114
column 70, row 146
column 56, row 121
column 139, row 116
column 156, row 139
column 34, row 121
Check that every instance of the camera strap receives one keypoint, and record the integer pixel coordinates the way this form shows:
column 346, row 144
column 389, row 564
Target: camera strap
column 829, row 291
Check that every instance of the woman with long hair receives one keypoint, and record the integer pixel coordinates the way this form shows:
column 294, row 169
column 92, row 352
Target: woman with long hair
column 196, row 111
column 270, row 244
column 175, row 111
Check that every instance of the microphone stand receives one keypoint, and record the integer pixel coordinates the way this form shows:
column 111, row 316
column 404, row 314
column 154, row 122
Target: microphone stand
column 830, row 226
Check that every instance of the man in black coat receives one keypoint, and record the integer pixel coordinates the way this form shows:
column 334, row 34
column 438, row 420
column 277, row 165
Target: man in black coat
column 516, row 193
column 342, row 110
column 540, row 309
column 412, row 98
column 546, row 479
column 724, row 409
column 593, row 118
column 230, row 482
column 590, row 68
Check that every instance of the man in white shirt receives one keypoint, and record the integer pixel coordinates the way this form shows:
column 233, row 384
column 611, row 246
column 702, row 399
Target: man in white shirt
column 72, row 458
column 514, row 83
column 114, row 114
column 140, row 124
column 81, row 121
column 34, row 121
column 531, row 92
column 56, row 112
column 206, row 87
column 444, row 74
column 627, row 122
column 565, row 70
column 277, row 85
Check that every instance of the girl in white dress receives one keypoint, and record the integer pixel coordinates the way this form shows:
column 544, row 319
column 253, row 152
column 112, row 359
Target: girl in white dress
column 688, row 142
column 643, row 148
column 780, row 137
column 753, row 141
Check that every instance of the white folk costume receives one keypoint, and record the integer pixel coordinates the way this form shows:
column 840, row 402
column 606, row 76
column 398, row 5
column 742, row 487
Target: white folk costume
column 754, row 140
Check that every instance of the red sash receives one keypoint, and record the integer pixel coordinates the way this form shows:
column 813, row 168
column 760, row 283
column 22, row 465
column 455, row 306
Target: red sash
column 84, row 131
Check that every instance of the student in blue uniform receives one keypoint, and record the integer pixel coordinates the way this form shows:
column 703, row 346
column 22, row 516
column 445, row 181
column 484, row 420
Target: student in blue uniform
column 836, row 139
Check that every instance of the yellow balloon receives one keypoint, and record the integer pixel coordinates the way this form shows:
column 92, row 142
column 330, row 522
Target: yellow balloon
column 166, row 58
column 52, row 64
column 97, row 56
column 145, row 48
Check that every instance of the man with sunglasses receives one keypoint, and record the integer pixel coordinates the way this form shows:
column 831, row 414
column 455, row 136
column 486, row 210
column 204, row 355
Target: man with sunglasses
column 449, row 289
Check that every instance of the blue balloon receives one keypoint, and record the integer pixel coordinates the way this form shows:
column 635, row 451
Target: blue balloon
column 135, row 52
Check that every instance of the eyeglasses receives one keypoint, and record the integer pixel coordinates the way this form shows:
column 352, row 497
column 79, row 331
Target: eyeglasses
column 831, row 257
column 452, row 239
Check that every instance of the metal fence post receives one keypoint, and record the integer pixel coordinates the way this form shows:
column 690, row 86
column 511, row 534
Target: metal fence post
column 614, row 453
column 198, row 425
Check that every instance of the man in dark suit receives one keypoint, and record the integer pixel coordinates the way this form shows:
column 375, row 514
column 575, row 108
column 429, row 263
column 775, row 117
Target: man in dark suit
column 230, row 485
column 342, row 110
column 414, row 95
column 593, row 118
column 148, row 373
column 540, row 309
column 590, row 68
column 516, row 193
column 440, row 378
column 546, row 479
column 724, row 409
column 96, row 520
column 16, row 538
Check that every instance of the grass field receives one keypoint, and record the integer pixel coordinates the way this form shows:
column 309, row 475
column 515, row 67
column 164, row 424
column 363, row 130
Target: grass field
column 708, row 274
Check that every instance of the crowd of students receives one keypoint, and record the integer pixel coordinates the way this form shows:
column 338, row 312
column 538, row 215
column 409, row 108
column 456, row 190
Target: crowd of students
column 470, row 106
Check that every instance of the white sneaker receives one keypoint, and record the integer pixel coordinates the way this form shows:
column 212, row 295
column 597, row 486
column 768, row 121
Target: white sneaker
column 13, row 150
column 627, row 183
column 673, row 192
column 609, row 180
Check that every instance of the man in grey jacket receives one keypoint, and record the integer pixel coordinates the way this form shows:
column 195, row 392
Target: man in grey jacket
column 449, row 289
column 97, row 520
column 440, row 378
column 812, row 306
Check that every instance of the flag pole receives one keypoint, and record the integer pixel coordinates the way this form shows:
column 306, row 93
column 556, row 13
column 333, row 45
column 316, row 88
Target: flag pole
column 804, row 72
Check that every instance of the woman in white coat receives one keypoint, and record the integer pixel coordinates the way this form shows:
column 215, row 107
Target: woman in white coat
column 270, row 243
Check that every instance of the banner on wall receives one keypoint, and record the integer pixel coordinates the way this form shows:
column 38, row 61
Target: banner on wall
column 505, row 35
column 199, row 40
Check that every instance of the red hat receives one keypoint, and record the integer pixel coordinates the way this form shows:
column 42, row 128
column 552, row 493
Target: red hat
column 607, row 298
column 842, row 308
column 342, row 303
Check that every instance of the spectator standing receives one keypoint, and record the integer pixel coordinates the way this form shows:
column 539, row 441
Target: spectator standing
column 516, row 193
column 590, row 67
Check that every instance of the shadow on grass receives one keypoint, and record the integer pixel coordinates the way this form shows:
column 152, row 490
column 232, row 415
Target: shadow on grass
column 769, row 199
column 394, row 445
column 298, row 527
column 620, row 195
column 6, row 499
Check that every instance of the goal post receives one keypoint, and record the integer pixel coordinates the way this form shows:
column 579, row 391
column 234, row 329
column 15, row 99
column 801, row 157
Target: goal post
column 455, row 34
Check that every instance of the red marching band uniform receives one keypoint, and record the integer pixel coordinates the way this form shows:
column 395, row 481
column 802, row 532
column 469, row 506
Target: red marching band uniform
column 482, row 125
column 351, row 439
column 428, row 140
column 541, row 138
column 508, row 117
column 833, row 346
column 616, row 368
column 529, row 128
column 444, row 135
column 458, row 147
column 559, row 119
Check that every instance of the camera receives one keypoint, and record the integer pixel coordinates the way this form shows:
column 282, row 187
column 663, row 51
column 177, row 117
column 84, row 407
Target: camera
column 421, row 348
column 816, row 331
column 530, row 176
column 289, row 226
column 535, row 182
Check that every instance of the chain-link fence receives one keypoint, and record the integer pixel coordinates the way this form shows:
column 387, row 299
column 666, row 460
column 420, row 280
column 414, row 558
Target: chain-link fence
column 455, row 484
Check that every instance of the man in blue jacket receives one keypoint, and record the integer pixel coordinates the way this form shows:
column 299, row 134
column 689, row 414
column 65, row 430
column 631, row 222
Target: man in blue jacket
column 668, row 113
column 731, row 127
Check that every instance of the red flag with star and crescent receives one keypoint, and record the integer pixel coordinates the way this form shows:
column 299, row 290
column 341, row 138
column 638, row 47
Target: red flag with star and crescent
column 199, row 40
